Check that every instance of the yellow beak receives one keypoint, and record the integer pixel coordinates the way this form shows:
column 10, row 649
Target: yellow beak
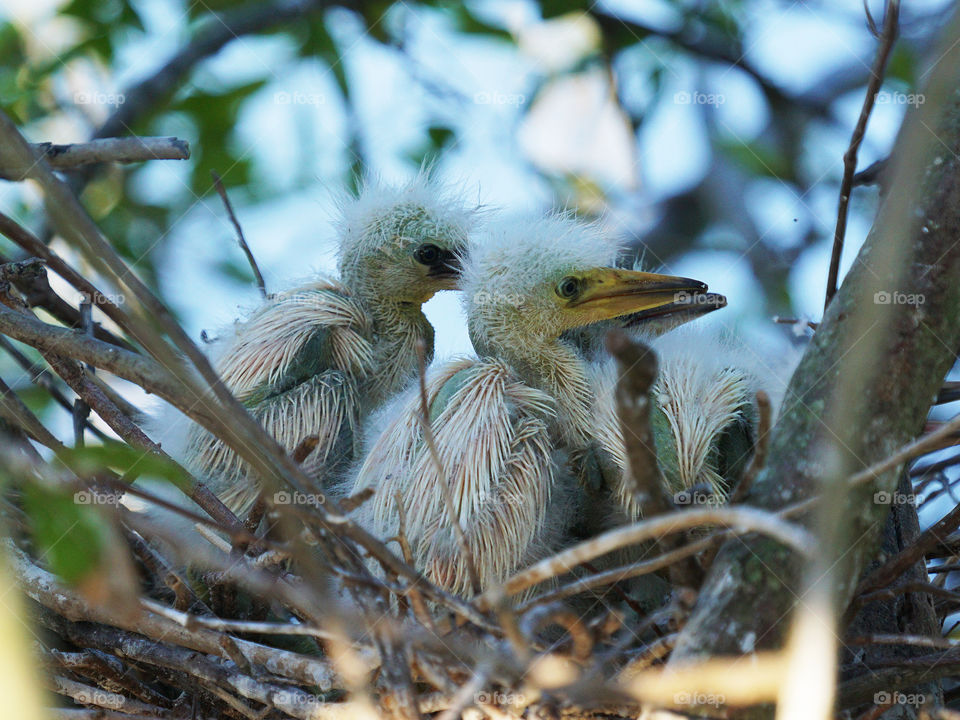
column 607, row 293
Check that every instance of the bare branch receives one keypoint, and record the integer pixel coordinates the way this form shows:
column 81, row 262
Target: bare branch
column 261, row 283
column 117, row 150
column 741, row 518
column 887, row 39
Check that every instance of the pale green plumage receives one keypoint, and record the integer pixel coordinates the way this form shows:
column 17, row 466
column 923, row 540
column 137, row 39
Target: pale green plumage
column 315, row 360
column 504, row 424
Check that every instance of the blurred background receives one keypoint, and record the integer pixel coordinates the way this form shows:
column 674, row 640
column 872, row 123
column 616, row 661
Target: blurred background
column 707, row 136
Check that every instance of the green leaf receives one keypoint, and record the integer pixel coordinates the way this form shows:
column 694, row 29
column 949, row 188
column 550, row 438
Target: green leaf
column 128, row 461
column 69, row 533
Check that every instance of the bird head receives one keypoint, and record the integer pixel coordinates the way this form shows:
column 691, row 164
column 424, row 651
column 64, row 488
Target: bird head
column 536, row 279
column 403, row 243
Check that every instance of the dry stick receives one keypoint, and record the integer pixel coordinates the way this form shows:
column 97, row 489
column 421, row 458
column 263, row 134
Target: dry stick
column 638, row 371
column 625, row 572
column 30, row 278
column 45, row 589
column 92, row 395
column 15, row 411
column 427, row 431
column 118, row 150
column 887, row 39
column 90, row 695
column 33, row 245
column 81, row 411
column 95, row 714
column 742, row 519
column 291, row 700
column 261, row 283
column 44, row 380
column 108, row 671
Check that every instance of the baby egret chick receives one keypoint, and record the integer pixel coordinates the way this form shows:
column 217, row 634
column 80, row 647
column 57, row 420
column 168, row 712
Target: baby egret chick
column 506, row 424
column 704, row 413
column 316, row 359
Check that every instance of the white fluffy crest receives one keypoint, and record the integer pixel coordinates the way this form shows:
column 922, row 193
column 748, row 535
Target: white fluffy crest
column 370, row 219
column 512, row 257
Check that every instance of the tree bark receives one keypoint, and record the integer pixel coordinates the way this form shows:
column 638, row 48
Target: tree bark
column 863, row 388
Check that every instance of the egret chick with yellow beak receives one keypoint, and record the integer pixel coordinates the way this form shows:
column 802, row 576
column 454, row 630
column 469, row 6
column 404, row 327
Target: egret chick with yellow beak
column 506, row 422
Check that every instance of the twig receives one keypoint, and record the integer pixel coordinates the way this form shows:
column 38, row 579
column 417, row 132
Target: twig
column 887, row 39
column 42, row 587
column 261, row 283
column 81, row 411
column 43, row 378
column 741, row 518
column 638, row 371
column 427, row 431
column 89, row 695
column 33, row 284
column 118, row 150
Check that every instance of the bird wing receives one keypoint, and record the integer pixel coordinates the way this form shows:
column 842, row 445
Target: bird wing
column 491, row 433
column 296, row 335
column 294, row 363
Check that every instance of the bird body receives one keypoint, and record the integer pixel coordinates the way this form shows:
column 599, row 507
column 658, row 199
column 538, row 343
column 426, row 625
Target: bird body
column 508, row 426
column 315, row 360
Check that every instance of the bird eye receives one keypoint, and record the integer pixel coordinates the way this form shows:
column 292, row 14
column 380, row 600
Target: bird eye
column 427, row 254
column 568, row 288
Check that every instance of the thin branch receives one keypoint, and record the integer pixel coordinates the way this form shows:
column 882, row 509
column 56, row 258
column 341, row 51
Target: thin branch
column 887, row 39
column 261, row 283
column 45, row 589
column 427, row 431
column 117, row 150
column 742, row 519
column 42, row 377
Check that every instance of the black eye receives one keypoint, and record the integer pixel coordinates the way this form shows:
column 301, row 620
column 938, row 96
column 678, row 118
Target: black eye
column 427, row 254
column 568, row 288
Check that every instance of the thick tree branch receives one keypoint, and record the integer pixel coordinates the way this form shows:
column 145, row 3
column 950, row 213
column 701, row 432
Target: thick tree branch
column 864, row 385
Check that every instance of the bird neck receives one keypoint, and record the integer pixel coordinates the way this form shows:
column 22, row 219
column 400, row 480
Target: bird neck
column 398, row 328
column 556, row 366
